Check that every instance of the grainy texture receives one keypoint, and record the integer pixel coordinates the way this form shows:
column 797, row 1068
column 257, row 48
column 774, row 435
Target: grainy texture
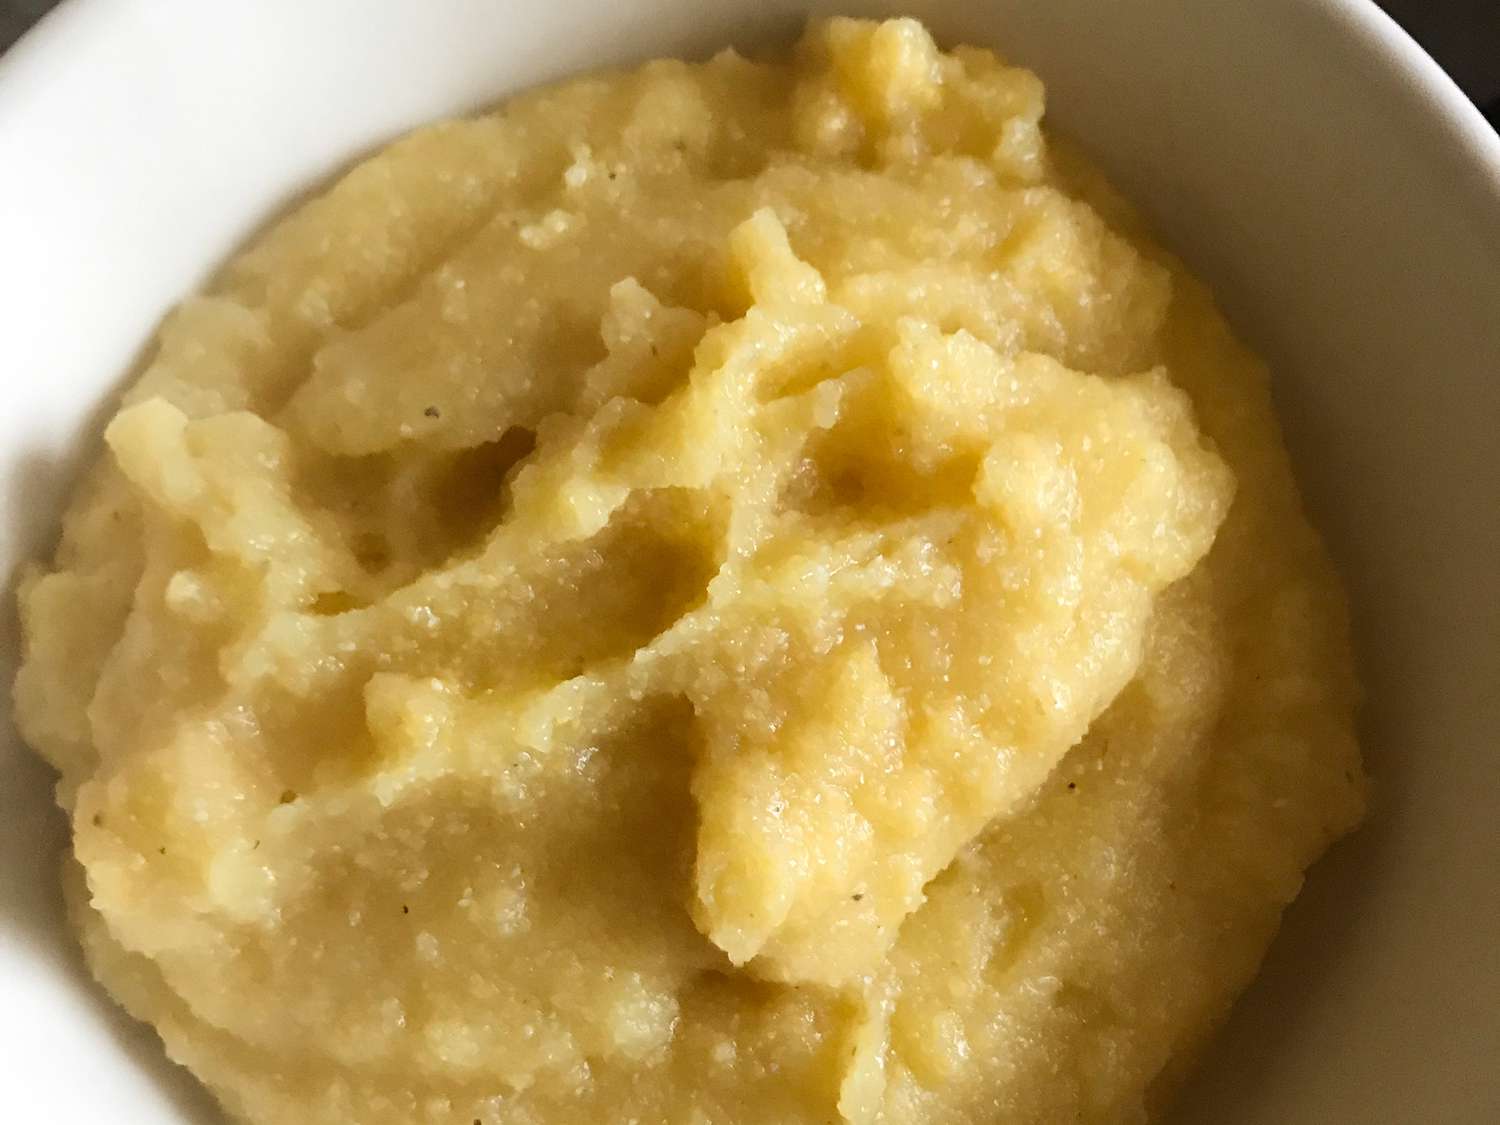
column 724, row 593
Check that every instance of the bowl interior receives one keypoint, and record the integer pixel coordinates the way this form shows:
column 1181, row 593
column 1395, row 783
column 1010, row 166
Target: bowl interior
column 1305, row 157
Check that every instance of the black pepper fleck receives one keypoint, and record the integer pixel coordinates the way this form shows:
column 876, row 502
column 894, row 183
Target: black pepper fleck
column 98, row 820
column 405, row 909
column 1072, row 785
column 432, row 412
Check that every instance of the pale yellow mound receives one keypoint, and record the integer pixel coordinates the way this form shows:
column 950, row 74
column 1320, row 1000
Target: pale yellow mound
column 718, row 594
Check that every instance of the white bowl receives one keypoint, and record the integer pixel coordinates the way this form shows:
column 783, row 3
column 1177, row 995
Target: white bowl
column 1320, row 170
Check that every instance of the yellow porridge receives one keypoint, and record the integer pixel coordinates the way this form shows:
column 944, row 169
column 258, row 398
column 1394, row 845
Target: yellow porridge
column 725, row 593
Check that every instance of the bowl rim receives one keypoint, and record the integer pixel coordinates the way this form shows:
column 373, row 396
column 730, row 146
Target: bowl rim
column 1376, row 31
column 1379, row 33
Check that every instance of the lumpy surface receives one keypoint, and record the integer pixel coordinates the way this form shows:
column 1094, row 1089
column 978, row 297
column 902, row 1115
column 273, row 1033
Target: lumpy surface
column 738, row 592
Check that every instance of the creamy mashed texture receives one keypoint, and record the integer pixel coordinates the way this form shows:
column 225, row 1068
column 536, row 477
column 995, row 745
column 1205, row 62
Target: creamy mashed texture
column 740, row 592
